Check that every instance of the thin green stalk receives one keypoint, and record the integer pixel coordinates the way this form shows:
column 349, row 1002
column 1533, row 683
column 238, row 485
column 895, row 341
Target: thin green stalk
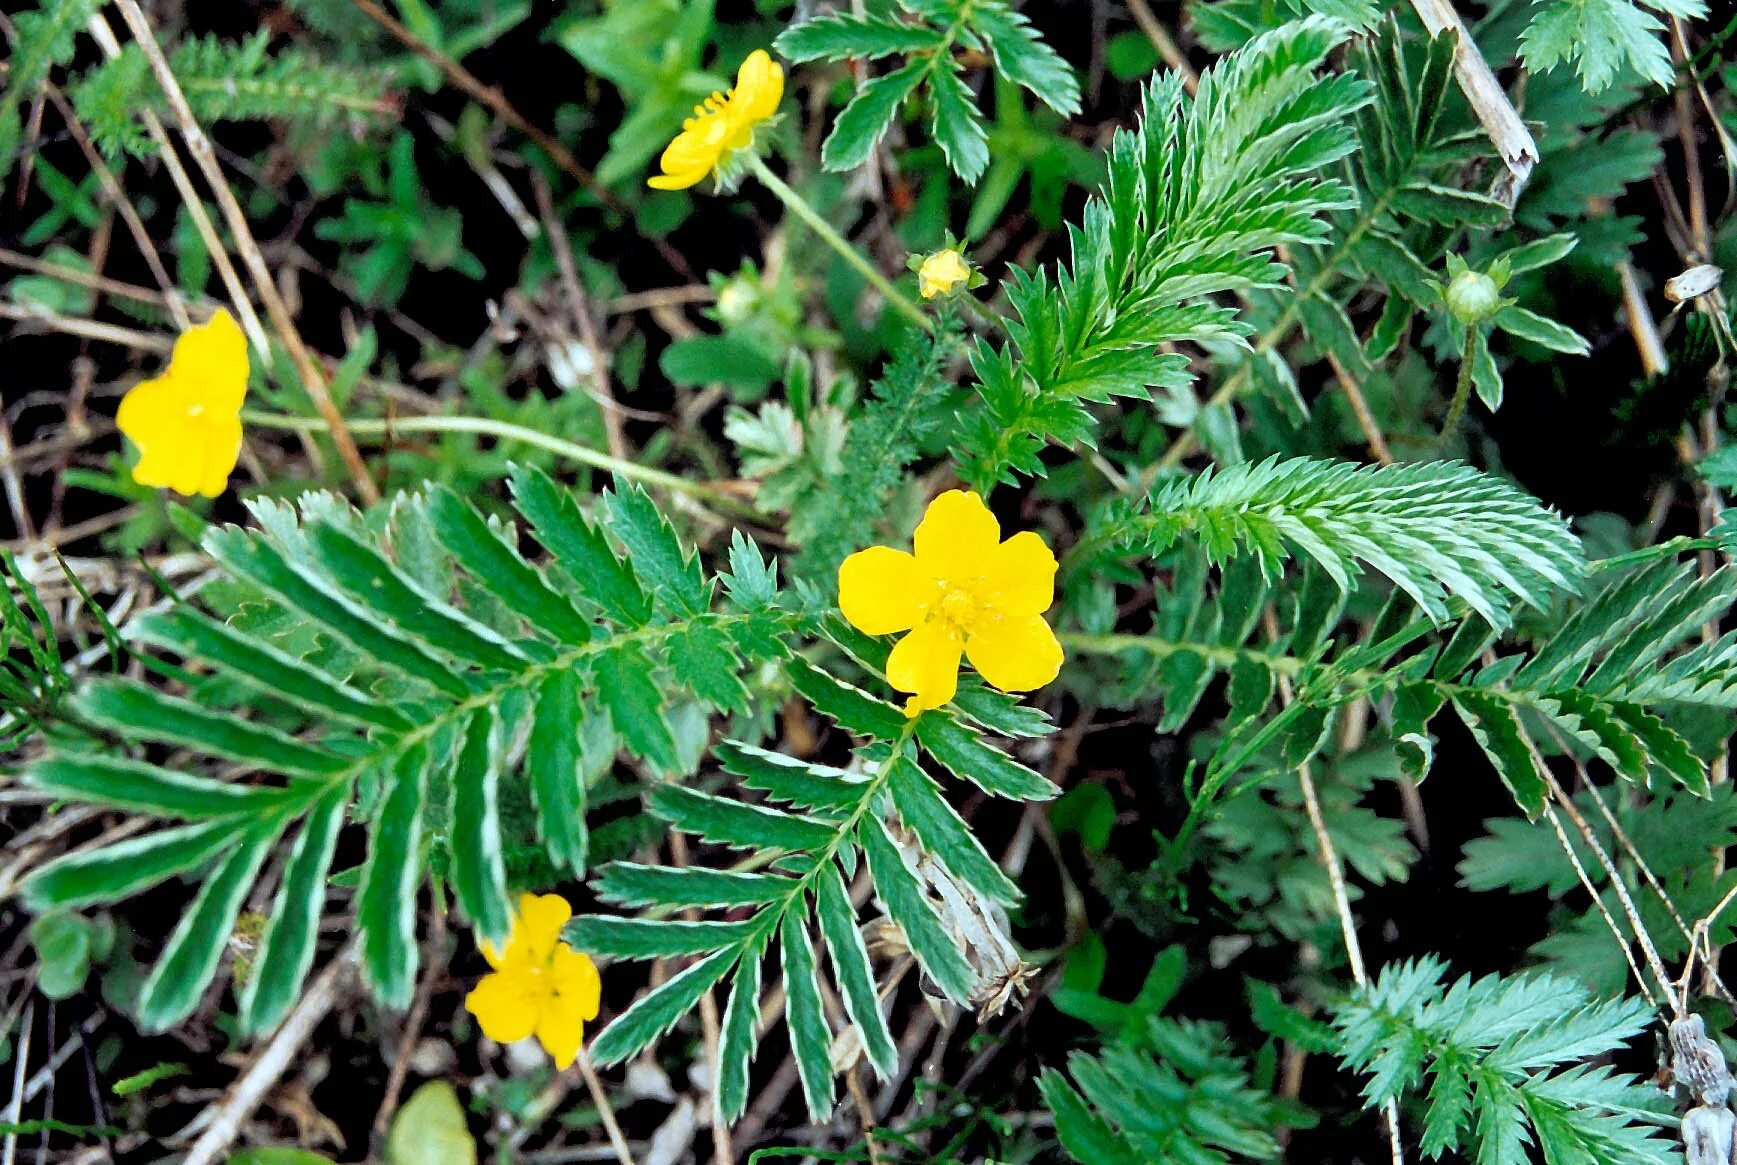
column 1462, row 387
column 795, row 203
column 507, row 431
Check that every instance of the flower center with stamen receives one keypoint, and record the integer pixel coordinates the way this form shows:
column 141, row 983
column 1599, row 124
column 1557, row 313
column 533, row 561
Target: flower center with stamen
column 958, row 606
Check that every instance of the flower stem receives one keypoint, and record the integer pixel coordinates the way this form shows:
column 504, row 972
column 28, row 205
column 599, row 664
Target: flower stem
column 798, row 206
column 1462, row 388
column 507, row 431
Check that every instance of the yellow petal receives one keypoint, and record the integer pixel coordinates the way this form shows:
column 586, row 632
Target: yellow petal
column 882, row 590
column 183, row 445
column 575, row 980
column 941, row 272
column 956, row 536
column 926, row 663
column 676, row 181
column 506, row 1005
column 538, row 925
column 221, row 450
column 153, row 410
column 212, row 360
column 1020, row 578
column 560, row 1029
column 759, row 87
column 1015, row 653
column 691, row 155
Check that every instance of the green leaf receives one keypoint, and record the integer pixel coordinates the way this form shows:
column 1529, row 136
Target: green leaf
column 485, row 557
column 580, row 547
column 944, row 834
column 253, row 559
column 1023, row 58
column 189, row 961
column 850, row 962
column 906, row 905
column 1086, row 1136
column 404, row 606
column 189, row 633
column 633, row 885
column 1497, row 731
column 651, row 938
column 737, row 1038
column 865, row 120
column 386, row 903
column 130, row 707
column 958, row 125
column 657, row 1011
column 967, row 756
column 841, row 36
column 854, row 709
column 656, row 555
column 635, row 704
column 479, row 874
column 810, row 1037
column 431, row 1129
column 734, row 823
column 286, row 949
column 784, row 778
column 143, row 788
column 63, row 945
column 1604, row 37
column 704, row 661
column 1529, row 325
column 117, row 871
column 554, row 761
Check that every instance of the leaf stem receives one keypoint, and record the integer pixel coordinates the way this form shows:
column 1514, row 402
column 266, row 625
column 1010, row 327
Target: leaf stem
column 1462, row 387
column 507, row 431
column 798, row 206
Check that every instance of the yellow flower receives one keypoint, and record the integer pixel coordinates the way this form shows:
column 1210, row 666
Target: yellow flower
column 187, row 422
column 722, row 124
column 540, row 985
column 964, row 592
column 941, row 273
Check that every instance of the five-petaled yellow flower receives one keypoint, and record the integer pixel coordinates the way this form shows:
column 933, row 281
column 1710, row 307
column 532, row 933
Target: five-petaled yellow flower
column 187, row 422
column 941, row 273
column 722, row 124
column 964, row 592
column 540, row 985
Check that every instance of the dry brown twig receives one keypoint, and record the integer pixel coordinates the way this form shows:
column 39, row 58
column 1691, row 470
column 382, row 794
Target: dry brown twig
column 580, row 308
column 222, row 1122
column 1336, row 880
column 1513, row 141
column 313, row 379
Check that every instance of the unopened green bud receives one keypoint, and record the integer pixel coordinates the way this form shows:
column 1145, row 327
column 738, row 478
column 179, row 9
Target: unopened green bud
column 1473, row 297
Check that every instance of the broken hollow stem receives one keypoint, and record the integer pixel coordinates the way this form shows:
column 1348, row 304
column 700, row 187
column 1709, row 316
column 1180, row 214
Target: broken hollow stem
column 797, row 205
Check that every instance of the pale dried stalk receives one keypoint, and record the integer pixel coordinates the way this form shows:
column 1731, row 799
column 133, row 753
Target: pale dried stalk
column 313, row 380
column 223, row 1123
column 1360, row 409
column 124, row 207
column 1164, row 43
column 1336, row 879
column 88, row 328
column 1640, row 977
column 605, row 1111
column 1642, row 936
column 111, row 47
column 1513, row 141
